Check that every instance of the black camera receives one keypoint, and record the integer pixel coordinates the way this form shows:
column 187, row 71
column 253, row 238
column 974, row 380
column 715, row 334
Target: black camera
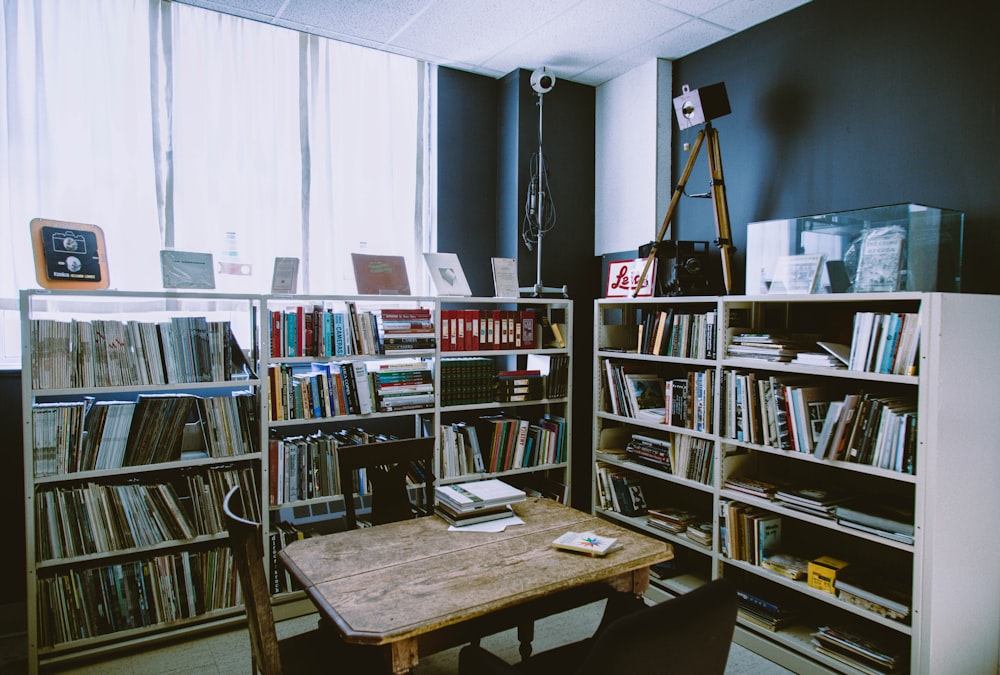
column 683, row 268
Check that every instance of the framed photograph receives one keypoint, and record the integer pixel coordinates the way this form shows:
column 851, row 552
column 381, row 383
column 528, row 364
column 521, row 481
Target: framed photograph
column 69, row 255
column 447, row 274
column 796, row 274
column 623, row 277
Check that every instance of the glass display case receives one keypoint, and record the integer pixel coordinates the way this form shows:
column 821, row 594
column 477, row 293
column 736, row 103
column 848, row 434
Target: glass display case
column 900, row 247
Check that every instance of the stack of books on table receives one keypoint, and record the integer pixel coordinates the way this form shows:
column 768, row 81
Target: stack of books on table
column 476, row 501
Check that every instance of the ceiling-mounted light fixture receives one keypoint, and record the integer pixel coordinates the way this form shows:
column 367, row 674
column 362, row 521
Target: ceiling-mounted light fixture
column 542, row 80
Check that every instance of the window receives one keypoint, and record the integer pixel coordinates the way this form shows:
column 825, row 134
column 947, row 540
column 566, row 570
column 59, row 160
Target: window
column 170, row 126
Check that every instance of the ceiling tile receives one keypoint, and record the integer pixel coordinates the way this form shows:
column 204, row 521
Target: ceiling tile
column 490, row 26
column 742, row 14
column 373, row 20
column 591, row 32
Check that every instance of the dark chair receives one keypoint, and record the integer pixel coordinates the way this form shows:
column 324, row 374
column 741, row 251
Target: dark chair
column 308, row 652
column 387, row 464
column 691, row 633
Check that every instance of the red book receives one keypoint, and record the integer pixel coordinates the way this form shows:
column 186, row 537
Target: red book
column 445, row 330
column 499, row 329
column 528, row 329
column 276, row 340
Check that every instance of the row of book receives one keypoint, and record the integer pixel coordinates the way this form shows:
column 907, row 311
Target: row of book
column 863, row 585
column 402, row 385
column 678, row 401
column 791, row 413
column 305, row 467
column 687, row 456
column 93, row 435
column 885, row 342
column 774, row 610
column 479, row 329
column 785, row 412
column 474, row 379
column 317, row 390
column 508, row 442
column 467, row 380
column 94, row 601
column 108, row 353
column 879, row 431
column 668, row 332
column 461, row 453
column 96, row 518
column 619, row 490
column 888, row 516
column 748, row 533
column 753, row 535
column 322, row 332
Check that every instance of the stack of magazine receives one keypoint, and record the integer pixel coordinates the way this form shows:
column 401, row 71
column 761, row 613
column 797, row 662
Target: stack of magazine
column 476, row 501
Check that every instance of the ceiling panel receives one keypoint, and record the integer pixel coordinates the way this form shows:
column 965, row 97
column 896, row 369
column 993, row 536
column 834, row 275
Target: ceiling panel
column 586, row 41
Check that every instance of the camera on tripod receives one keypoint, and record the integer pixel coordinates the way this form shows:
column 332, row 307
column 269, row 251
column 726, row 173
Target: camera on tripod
column 683, row 268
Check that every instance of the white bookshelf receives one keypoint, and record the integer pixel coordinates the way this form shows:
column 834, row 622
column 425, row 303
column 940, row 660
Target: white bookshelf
column 955, row 603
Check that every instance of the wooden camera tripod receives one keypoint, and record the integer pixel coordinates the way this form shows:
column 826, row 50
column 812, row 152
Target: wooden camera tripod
column 719, row 205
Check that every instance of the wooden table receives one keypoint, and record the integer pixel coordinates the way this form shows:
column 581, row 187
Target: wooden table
column 402, row 584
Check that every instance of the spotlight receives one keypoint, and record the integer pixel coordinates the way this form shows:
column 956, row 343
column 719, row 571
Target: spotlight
column 701, row 105
column 542, row 80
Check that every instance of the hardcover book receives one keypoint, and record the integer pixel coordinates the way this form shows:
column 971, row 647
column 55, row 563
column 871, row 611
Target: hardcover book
column 380, row 274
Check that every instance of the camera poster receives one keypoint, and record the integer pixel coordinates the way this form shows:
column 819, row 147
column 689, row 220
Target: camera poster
column 69, row 255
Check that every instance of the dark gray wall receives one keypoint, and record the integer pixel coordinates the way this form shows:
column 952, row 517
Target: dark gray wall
column 466, row 159
column 467, row 173
column 12, row 487
column 843, row 104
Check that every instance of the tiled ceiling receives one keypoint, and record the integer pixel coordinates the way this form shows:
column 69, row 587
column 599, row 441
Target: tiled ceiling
column 585, row 41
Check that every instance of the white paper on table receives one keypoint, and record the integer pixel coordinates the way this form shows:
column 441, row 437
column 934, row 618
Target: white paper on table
column 498, row 525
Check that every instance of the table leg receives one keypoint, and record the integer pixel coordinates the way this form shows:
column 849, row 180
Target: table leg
column 525, row 636
column 402, row 656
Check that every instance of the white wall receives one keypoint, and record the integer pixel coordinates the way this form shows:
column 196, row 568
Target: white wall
column 632, row 174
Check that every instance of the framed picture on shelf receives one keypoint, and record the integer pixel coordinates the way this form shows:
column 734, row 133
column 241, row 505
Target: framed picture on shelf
column 447, row 274
column 505, row 278
column 69, row 255
column 623, row 278
column 380, row 274
column 796, row 274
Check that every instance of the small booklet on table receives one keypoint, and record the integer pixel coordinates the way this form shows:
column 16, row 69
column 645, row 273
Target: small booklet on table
column 587, row 543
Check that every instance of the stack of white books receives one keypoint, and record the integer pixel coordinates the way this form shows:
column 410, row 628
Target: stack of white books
column 476, row 501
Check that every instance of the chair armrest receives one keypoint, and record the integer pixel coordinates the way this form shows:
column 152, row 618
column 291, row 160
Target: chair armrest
column 474, row 660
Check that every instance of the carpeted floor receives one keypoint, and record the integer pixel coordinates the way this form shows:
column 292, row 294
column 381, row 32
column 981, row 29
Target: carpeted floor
column 228, row 653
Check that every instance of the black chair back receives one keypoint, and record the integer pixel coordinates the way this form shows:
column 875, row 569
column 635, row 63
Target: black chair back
column 387, row 464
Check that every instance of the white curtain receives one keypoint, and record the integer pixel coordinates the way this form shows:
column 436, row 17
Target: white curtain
column 174, row 126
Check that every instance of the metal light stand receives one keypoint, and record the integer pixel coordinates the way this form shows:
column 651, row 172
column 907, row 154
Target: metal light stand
column 720, row 206
column 538, row 289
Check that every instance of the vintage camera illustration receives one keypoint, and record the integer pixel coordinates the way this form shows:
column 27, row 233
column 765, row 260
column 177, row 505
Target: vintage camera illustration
column 69, row 242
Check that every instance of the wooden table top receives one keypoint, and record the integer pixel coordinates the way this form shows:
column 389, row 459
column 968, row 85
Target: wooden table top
column 398, row 581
